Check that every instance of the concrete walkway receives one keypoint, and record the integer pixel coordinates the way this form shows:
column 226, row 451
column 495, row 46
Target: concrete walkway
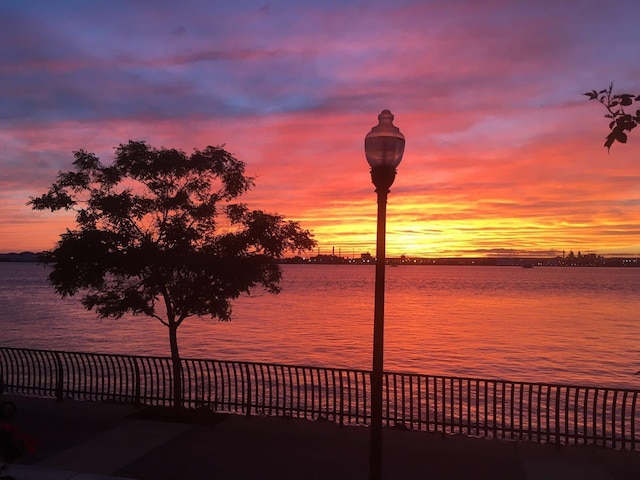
column 98, row 441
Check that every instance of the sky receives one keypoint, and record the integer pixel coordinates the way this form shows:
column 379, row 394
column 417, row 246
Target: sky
column 504, row 155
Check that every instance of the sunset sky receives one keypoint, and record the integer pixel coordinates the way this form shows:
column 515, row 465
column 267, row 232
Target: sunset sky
column 504, row 155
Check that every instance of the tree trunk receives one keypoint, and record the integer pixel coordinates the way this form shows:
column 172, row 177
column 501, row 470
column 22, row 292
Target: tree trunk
column 177, row 366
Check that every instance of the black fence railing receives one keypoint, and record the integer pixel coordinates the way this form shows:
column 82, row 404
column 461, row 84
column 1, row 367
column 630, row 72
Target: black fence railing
column 536, row 412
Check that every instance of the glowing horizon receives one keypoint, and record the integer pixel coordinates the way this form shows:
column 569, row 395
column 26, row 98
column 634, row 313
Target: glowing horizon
column 503, row 156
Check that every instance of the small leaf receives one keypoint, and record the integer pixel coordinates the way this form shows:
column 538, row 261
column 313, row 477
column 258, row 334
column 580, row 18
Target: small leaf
column 612, row 124
column 626, row 100
column 613, row 104
column 621, row 137
column 610, row 139
column 624, row 121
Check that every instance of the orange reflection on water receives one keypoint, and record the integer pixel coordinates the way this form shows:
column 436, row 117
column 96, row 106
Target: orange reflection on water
column 551, row 324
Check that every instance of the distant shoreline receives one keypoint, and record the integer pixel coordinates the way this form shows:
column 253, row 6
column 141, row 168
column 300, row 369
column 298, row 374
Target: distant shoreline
column 526, row 262
column 21, row 257
column 584, row 261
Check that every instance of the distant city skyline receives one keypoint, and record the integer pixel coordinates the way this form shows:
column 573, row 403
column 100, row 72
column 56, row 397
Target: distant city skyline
column 504, row 155
column 498, row 253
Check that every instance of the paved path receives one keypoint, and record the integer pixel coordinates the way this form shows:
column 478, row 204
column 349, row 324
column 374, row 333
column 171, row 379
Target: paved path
column 98, row 441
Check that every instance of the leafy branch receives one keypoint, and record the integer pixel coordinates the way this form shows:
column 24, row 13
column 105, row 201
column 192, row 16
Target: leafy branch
column 621, row 120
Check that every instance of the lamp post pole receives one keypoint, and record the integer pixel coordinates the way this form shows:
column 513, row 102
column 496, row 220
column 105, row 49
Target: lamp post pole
column 384, row 147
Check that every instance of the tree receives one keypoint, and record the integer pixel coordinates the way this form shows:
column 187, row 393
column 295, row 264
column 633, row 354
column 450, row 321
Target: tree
column 149, row 239
column 621, row 121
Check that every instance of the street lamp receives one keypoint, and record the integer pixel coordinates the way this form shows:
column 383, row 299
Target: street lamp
column 383, row 146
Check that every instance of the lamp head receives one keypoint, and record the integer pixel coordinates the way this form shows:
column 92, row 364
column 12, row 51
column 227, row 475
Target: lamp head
column 384, row 144
column 384, row 147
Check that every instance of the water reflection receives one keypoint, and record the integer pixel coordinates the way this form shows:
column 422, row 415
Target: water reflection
column 543, row 324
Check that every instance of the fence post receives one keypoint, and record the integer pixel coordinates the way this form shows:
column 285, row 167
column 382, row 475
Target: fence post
column 59, row 377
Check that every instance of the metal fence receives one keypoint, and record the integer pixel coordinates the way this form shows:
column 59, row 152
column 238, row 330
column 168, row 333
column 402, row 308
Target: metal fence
column 537, row 412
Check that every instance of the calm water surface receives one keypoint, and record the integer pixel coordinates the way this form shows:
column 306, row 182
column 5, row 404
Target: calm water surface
column 574, row 325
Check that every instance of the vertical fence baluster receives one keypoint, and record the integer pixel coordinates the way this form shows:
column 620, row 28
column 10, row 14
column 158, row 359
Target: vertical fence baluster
column 412, row 415
column 494, row 407
column 258, row 371
column 436, row 401
column 314, row 374
column 469, row 417
column 271, row 387
column 349, row 411
column 136, row 381
column 341, row 399
column 247, row 401
column 22, row 359
column 557, row 391
column 502, row 423
column 358, row 415
column 419, row 400
column 334, row 395
column 539, row 413
column 548, row 412
column 576, row 407
column 226, row 386
column 566, row 414
column 613, row 419
column 477, row 409
column 463, row 403
column 59, row 377
column 633, row 419
column 623, row 418
column 454, row 420
column 427, row 396
column 595, row 417
column 100, row 390
column 520, row 413
column 277, row 383
column 329, row 394
column 604, row 419
column 443, row 410
column 512, row 415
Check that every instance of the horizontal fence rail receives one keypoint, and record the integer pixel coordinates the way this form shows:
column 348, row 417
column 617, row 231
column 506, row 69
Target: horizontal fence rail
column 536, row 412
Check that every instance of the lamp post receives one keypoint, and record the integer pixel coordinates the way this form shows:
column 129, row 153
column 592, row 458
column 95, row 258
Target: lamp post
column 383, row 146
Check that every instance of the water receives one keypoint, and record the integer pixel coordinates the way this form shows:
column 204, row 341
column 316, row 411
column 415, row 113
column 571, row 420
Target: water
column 567, row 325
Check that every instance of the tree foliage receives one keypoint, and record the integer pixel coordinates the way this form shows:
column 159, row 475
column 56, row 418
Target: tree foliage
column 621, row 120
column 160, row 233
